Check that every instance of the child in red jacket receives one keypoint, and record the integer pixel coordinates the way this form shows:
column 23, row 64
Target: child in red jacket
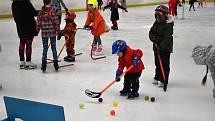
column 127, row 58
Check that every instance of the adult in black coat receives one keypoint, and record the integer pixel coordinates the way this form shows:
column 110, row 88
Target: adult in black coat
column 161, row 35
column 23, row 14
column 113, row 5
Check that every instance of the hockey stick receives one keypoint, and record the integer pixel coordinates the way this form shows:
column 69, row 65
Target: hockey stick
column 98, row 94
column 66, row 65
column 162, row 70
column 91, row 54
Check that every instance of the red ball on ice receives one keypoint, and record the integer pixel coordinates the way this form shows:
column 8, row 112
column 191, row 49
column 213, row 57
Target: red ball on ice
column 100, row 99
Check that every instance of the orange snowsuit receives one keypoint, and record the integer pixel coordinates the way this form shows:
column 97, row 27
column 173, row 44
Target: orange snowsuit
column 69, row 32
column 98, row 22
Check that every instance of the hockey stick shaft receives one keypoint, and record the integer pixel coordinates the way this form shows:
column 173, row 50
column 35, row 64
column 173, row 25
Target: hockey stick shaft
column 161, row 65
column 115, row 79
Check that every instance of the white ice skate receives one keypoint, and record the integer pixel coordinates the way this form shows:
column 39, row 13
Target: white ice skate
column 155, row 82
column 161, row 85
column 22, row 65
column 30, row 65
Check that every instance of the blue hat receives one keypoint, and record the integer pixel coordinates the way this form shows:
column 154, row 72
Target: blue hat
column 119, row 46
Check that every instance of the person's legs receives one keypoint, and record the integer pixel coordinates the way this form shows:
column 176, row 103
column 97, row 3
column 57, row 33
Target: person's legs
column 99, row 48
column 158, row 74
column 22, row 49
column 45, row 48
column 29, row 49
column 126, row 85
column 165, row 58
column 54, row 52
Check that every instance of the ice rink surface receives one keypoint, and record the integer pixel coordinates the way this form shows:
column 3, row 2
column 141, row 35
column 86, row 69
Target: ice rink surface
column 185, row 99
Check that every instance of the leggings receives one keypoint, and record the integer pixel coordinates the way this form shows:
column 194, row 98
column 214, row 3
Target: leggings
column 96, row 40
column 45, row 47
column 25, row 43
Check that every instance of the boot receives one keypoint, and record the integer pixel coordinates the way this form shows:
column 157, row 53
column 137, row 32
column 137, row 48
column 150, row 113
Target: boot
column 56, row 65
column 43, row 67
column 99, row 51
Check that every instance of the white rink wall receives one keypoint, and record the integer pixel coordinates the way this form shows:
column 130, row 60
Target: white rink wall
column 5, row 5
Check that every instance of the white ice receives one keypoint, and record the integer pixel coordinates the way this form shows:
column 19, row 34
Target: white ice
column 185, row 99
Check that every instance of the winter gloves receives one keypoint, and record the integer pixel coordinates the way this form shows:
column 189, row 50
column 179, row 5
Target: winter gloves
column 87, row 27
column 135, row 61
column 118, row 73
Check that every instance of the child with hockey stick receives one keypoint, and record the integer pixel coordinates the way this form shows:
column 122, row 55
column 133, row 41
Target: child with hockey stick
column 127, row 58
column 48, row 23
column 113, row 5
column 205, row 55
column 96, row 23
column 161, row 35
column 69, row 32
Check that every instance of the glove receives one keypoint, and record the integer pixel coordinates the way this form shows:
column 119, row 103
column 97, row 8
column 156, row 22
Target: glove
column 61, row 33
column 118, row 73
column 135, row 61
column 157, row 48
column 155, row 39
column 87, row 27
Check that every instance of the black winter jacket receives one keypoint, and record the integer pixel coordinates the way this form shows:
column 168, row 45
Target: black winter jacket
column 161, row 33
column 23, row 14
column 114, row 10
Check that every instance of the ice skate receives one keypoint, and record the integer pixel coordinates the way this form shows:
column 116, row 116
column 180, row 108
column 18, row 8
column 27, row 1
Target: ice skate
column 22, row 65
column 69, row 58
column 133, row 95
column 124, row 92
column 99, row 51
column 94, row 48
column 43, row 67
column 56, row 66
column 161, row 85
column 29, row 65
column 155, row 82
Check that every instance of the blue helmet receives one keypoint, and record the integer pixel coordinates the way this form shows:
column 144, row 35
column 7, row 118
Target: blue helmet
column 119, row 46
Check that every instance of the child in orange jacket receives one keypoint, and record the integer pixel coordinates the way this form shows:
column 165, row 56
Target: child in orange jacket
column 96, row 23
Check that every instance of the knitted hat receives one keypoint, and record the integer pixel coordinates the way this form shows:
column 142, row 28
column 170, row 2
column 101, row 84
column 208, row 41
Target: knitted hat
column 200, row 54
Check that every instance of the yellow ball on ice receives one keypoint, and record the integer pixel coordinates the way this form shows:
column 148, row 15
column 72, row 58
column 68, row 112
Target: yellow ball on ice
column 81, row 105
column 115, row 104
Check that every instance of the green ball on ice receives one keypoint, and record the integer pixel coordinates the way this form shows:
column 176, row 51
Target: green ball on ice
column 81, row 105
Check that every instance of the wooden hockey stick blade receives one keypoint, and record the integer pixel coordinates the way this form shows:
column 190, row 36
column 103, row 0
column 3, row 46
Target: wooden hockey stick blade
column 92, row 94
column 77, row 54
column 66, row 65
